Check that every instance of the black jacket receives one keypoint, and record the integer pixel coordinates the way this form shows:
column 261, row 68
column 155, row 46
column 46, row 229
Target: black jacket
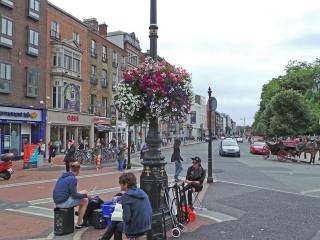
column 176, row 155
column 196, row 174
column 69, row 157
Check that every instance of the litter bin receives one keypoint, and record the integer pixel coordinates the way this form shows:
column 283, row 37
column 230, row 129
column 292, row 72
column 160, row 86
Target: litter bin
column 63, row 221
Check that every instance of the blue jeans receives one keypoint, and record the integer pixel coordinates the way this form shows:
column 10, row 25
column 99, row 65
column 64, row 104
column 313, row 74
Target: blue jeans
column 120, row 164
column 178, row 170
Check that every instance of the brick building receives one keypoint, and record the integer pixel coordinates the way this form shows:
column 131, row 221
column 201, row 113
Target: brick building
column 67, row 80
column 106, row 63
column 130, row 43
column 22, row 73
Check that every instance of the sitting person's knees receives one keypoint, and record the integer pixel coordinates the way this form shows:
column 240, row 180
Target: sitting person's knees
column 85, row 201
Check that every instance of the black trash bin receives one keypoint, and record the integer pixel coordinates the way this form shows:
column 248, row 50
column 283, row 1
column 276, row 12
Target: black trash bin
column 63, row 221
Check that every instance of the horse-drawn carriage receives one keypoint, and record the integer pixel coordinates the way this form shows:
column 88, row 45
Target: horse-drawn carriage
column 284, row 150
column 290, row 149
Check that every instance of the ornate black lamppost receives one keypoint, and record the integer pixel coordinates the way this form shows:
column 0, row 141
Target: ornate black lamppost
column 129, row 148
column 154, row 178
column 210, row 178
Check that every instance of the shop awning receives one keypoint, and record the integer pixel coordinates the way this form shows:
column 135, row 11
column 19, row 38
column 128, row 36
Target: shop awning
column 103, row 128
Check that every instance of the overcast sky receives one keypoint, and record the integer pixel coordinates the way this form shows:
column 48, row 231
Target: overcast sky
column 233, row 46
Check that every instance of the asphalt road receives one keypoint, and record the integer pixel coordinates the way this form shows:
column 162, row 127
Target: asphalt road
column 269, row 199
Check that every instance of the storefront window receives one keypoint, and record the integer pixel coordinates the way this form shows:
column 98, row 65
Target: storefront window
column 57, row 137
column 83, row 137
column 71, row 133
column 10, row 138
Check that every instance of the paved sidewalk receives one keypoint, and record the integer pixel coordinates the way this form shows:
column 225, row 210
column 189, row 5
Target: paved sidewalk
column 26, row 207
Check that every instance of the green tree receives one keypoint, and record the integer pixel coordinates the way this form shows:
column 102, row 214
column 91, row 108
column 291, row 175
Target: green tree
column 287, row 114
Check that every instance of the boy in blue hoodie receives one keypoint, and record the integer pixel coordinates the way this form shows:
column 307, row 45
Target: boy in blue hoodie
column 137, row 211
column 65, row 193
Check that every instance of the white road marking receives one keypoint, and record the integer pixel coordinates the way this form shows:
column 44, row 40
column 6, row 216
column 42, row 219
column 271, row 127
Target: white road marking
column 96, row 192
column 269, row 189
column 310, row 191
column 54, row 180
column 29, row 211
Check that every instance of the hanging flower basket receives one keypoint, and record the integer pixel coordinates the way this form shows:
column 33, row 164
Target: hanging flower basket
column 154, row 90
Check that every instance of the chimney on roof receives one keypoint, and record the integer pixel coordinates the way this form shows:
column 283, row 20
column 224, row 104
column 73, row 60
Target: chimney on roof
column 103, row 29
column 92, row 23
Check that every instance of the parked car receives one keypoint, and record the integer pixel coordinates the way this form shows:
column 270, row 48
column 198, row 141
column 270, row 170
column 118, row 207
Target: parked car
column 229, row 147
column 259, row 148
column 239, row 139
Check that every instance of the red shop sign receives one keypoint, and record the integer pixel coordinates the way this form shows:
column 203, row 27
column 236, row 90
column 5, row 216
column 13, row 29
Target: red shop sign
column 73, row 118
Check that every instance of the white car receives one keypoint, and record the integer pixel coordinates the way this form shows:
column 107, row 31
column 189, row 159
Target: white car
column 229, row 148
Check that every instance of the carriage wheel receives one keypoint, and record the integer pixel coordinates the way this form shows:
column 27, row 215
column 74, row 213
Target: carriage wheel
column 282, row 155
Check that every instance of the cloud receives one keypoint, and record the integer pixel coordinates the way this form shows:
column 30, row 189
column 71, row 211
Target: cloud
column 233, row 46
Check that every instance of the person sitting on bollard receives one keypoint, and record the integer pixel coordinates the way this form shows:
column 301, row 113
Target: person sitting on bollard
column 65, row 193
column 137, row 211
column 194, row 179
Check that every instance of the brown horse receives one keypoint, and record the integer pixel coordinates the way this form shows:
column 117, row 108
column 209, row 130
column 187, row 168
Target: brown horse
column 311, row 147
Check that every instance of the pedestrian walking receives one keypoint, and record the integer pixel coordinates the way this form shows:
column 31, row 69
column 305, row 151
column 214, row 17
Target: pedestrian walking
column 176, row 158
column 121, row 156
column 98, row 162
column 52, row 152
column 137, row 211
column 69, row 157
column 143, row 150
column 65, row 193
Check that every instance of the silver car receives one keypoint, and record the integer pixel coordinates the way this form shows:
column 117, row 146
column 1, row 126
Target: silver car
column 229, row 147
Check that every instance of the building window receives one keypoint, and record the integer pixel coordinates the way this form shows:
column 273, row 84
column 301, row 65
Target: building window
column 34, row 9
column 7, row 3
column 5, row 77
column 104, row 54
column 76, row 64
column 57, row 97
column 132, row 59
column 93, row 75
column 55, row 33
column 32, row 83
column 104, row 107
column 33, row 43
column 57, row 59
column 93, row 103
column 6, row 32
column 76, row 38
column 114, row 81
column 68, row 60
column 104, row 82
column 114, row 59
column 93, row 48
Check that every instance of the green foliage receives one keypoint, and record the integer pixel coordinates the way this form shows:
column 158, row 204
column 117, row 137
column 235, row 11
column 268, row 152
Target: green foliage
column 289, row 105
column 287, row 114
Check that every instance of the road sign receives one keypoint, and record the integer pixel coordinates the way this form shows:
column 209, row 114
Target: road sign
column 213, row 104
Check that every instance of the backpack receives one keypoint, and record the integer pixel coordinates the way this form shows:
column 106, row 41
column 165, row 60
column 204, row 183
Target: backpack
column 94, row 203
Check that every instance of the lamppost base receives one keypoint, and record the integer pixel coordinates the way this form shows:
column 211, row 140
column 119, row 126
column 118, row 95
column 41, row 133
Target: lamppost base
column 210, row 180
column 129, row 166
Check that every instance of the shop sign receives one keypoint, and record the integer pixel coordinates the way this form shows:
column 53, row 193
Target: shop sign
column 20, row 114
column 73, row 118
column 101, row 120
